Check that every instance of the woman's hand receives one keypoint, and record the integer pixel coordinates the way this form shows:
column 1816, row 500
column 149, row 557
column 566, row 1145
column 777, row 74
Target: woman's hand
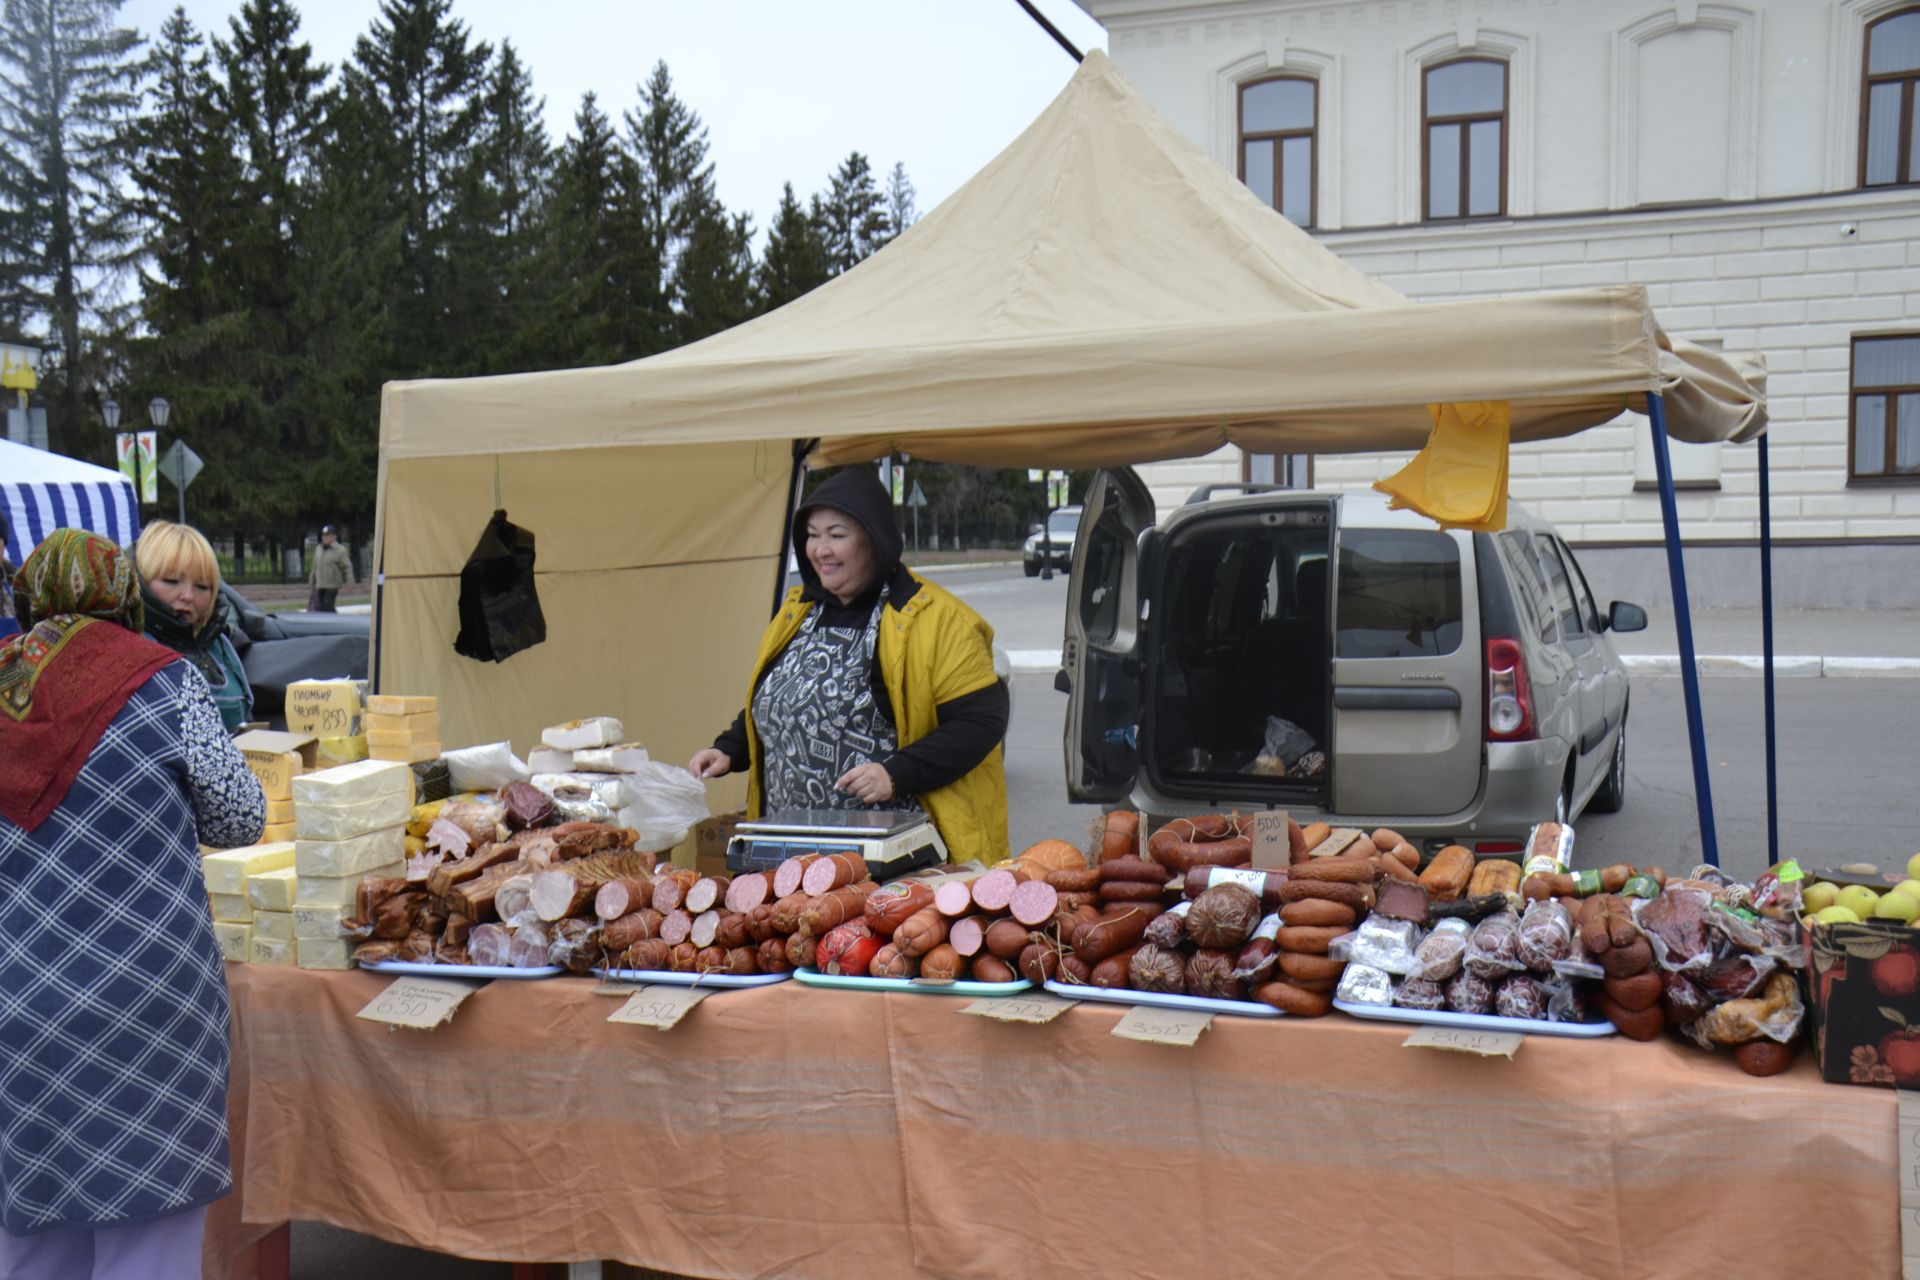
column 867, row 783
column 710, row 763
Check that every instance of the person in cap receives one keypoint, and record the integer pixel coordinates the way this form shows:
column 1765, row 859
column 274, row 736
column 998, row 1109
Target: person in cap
column 332, row 570
column 180, row 589
column 873, row 688
column 114, row 1020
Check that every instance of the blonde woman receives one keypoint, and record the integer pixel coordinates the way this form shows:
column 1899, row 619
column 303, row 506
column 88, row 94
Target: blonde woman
column 180, row 585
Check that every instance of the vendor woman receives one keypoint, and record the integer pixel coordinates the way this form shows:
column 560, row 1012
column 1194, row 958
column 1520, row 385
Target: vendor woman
column 873, row 688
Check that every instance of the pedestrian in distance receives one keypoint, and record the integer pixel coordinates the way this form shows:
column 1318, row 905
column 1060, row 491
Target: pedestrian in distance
column 180, row 587
column 332, row 570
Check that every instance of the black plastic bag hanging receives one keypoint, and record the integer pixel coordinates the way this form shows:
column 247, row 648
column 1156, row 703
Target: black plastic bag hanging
column 499, row 608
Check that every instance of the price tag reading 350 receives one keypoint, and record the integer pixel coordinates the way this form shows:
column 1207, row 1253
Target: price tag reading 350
column 421, row 1003
column 1162, row 1026
column 1038, row 1008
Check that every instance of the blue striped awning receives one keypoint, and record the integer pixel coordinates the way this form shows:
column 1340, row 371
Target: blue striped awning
column 44, row 492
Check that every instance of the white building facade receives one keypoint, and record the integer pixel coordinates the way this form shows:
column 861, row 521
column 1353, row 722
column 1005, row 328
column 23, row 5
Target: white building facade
column 1756, row 165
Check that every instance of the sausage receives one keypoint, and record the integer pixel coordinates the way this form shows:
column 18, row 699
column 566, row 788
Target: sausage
column 1288, row 998
column 1344, row 870
column 1309, row 939
column 1297, row 845
column 786, row 911
column 1314, row 968
column 1387, row 838
column 1112, row 971
column 836, row 908
column 1133, row 870
column 1113, row 933
column 1318, row 911
column 788, row 876
column 993, row 891
column 1074, row 969
column 743, row 961
column 993, row 969
column 1006, row 939
column 1034, row 902
column 1265, row 883
column 621, row 897
column 636, row 926
column 835, row 871
column 966, row 936
column 1120, row 834
column 1358, row 896
column 670, row 890
column 747, row 892
column 1406, row 855
column 891, row 962
column 921, row 932
column 1396, row 869
column 683, row 958
column 676, row 927
column 773, row 956
column 954, row 898
column 650, row 953
column 942, row 962
column 1075, row 879
column 707, row 893
column 1130, row 891
column 1039, row 963
column 800, row 950
column 1178, row 856
column 891, row 905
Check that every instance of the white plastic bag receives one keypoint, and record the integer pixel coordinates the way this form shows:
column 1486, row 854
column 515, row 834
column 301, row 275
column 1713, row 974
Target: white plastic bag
column 487, row 768
column 664, row 802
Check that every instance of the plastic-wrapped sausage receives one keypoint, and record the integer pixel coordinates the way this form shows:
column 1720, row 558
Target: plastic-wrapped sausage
column 1160, row 969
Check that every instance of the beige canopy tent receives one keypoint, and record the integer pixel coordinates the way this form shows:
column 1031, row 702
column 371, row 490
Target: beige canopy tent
column 1101, row 293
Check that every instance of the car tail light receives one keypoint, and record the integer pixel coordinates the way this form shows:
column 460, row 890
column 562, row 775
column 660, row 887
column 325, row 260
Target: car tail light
column 1498, row 846
column 1509, row 710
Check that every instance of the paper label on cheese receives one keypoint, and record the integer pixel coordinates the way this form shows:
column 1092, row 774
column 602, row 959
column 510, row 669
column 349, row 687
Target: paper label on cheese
column 271, row 890
column 236, row 907
column 320, row 922
column 353, row 857
column 236, row 940
column 323, row 708
column 345, row 821
column 275, row 771
column 338, row 891
column 349, row 784
column 324, row 953
column 227, row 871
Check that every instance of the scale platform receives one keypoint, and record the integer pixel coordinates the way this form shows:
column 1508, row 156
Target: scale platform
column 893, row 842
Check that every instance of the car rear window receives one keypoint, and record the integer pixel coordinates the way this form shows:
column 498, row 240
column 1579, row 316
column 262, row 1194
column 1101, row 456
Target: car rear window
column 1399, row 594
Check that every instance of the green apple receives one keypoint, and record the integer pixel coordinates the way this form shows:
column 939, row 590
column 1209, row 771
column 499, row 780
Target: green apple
column 1898, row 906
column 1858, row 899
column 1913, row 866
column 1907, row 886
column 1818, row 896
column 1836, row 915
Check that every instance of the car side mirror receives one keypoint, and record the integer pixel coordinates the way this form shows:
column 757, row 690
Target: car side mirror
column 1622, row 616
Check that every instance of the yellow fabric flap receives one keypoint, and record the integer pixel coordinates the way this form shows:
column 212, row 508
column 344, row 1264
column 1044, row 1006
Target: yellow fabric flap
column 1460, row 477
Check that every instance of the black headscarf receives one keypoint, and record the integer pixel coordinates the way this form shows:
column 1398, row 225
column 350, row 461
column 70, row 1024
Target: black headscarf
column 859, row 493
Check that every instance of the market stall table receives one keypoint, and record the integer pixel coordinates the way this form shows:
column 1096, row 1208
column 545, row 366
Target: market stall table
column 794, row 1132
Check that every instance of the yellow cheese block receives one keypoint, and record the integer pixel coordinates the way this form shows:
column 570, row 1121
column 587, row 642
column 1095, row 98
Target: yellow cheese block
column 416, row 845
column 412, row 753
column 324, row 953
column 275, row 770
column 273, row 926
column 419, row 725
column 329, row 752
column 277, row 832
column 344, row 821
column 391, row 704
column 231, row 907
column 271, row 890
column 320, row 922
column 349, row 784
column 236, row 940
column 337, row 891
column 279, row 812
column 429, row 731
column 323, row 708
column 270, row 951
column 352, row 857
column 227, row 872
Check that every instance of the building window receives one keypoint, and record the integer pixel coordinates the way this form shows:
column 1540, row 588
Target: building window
column 1884, row 414
column 1463, row 118
column 1889, row 132
column 1278, row 121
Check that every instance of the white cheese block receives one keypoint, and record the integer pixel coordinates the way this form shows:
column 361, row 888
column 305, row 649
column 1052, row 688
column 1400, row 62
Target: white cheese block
column 596, row 731
column 227, row 871
column 274, row 926
column 270, row 951
column 352, row 857
column 320, row 922
column 231, row 906
column 271, row 890
column 338, row 891
column 549, row 760
column 628, row 757
column 348, row 784
column 236, row 940
column 355, row 818
column 324, row 953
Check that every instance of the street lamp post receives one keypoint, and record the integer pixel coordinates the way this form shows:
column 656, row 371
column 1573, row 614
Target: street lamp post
column 158, row 411
column 110, row 414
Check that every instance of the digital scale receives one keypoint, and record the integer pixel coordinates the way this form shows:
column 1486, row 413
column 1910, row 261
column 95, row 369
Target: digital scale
column 893, row 842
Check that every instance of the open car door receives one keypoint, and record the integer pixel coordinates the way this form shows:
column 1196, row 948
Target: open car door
column 1100, row 657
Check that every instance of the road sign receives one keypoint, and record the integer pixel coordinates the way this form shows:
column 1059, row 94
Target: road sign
column 180, row 464
column 916, row 498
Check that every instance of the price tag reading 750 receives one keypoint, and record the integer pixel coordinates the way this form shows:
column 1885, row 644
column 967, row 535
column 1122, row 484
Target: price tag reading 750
column 1034, row 1008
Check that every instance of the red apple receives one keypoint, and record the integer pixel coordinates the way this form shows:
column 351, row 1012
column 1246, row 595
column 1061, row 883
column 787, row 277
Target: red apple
column 1896, row 973
column 1900, row 1050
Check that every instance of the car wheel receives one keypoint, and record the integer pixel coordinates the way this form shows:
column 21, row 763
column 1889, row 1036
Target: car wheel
column 1033, row 570
column 1613, row 792
column 1563, row 803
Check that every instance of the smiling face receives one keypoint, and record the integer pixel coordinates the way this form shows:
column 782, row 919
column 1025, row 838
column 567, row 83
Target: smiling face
column 840, row 553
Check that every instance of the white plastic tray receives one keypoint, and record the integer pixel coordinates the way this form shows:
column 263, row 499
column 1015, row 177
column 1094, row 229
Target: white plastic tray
column 1198, row 1004
column 814, row 978
column 420, row 969
column 1479, row 1021
column 667, row 977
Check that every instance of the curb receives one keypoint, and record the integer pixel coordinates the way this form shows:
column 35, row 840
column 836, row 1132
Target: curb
column 1796, row 665
column 969, row 564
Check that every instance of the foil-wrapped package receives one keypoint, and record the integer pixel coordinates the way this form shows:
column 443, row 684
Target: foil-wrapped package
column 1384, row 944
column 1364, row 984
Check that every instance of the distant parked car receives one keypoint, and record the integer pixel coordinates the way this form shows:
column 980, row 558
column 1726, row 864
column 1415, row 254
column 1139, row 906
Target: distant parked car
column 1057, row 538
column 280, row 648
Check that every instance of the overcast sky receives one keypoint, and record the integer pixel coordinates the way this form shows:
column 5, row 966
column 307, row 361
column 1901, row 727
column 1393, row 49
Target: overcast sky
column 786, row 88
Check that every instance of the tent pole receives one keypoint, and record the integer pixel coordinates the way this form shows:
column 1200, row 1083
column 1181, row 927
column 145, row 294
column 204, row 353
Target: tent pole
column 797, row 477
column 1683, row 628
column 1766, row 640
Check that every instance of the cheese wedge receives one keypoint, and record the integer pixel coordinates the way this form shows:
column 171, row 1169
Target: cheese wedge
column 391, row 704
column 320, row 922
column 276, row 833
column 338, row 891
column 227, row 871
column 329, row 753
column 236, row 940
column 324, row 953
column 344, row 821
column 270, row 951
column 351, row 857
column 412, row 753
column 274, row 926
column 272, row 890
column 596, row 731
column 232, row 907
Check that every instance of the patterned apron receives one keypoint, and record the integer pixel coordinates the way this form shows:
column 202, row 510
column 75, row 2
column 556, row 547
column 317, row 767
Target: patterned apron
column 817, row 717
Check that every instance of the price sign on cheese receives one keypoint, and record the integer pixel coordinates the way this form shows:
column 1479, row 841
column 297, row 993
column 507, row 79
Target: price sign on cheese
column 323, row 708
column 275, row 770
column 421, row 1003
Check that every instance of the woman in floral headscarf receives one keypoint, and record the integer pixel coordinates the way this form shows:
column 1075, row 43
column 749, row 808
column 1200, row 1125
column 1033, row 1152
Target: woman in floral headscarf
column 113, row 1002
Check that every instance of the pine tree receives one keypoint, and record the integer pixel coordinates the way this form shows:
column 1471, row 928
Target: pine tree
column 900, row 211
column 592, row 253
column 854, row 216
column 713, row 275
column 675, row 188
column 69, row 90
column 795, row 259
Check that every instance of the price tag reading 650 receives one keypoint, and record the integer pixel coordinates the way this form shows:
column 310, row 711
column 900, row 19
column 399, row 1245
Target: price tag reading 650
column 421, row 1003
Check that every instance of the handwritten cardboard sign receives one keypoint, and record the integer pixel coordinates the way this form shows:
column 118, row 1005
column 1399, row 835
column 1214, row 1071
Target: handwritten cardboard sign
column 659, row 1007
column 323, row 708
column 1487, row 1044
column 1037, row 1008
column 1162, row 1026
column 420, row 1003
column 1271, row 847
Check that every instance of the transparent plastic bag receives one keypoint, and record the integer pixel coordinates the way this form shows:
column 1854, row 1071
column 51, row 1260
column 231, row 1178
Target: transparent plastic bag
column 484, row 768
column 664, row 802
column 1286, row 745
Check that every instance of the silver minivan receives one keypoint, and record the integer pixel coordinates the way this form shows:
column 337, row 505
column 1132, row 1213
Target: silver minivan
column 1321, row 653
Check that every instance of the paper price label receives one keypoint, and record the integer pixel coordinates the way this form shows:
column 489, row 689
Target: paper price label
column 1162, row 1026
column 658, row 1007
column 1035, row 1008
column 421, row 1003
column 274, row 770
column 1487, row 1044
column 1271, row 847
column 323, row 708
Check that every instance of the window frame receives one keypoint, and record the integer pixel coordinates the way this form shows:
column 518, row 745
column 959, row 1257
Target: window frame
column 1909, row 82
column 1277, row 137
column 1465, row 121
column 1891, row 395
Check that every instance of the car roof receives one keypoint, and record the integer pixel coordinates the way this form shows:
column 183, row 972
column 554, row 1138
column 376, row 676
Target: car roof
column 1364, row 508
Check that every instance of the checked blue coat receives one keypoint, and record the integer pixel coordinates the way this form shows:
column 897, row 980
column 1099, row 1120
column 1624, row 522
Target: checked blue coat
column 113, row 999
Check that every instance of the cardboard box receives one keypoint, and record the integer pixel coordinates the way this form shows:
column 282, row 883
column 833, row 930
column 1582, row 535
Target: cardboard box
column 705, row 850
column 1864, row 1002
column 277, row 758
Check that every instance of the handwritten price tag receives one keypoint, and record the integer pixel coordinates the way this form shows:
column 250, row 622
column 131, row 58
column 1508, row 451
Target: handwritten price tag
column 1488, row 1044
column 1034, row 1008
column 659, row 1007
column 1162, row 1026
column 420, row 1003
column 1271, row 848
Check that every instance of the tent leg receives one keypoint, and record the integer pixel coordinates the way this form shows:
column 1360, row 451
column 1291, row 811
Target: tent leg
column 1766, row 639
column 798, row 476
column 1683, row 627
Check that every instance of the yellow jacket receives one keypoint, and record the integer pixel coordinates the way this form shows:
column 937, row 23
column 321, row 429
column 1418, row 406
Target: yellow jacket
column 930, row 651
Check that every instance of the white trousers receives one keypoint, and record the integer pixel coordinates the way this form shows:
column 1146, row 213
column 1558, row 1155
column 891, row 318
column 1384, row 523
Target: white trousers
column 163, row 1249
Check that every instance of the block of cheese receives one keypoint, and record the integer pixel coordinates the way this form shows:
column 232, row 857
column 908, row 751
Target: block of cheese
column 355, row 856
column 324, row 953
column 343, row 822
column 323, row 708
column 337, row 891
column 275, row 770
column 270, row 951
column 429, row 731
column 227, row 871
column 627, row 757
column 274, row 926
column 279, row 812
column 232, row 907
column 272, row 890
column 419, row 725
column 329, row 752
column 545, row 759
column 321, row 922
column 412, row 753
column 277, row 833
column 391, row 704
column 349, row 784
column 235, row 940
